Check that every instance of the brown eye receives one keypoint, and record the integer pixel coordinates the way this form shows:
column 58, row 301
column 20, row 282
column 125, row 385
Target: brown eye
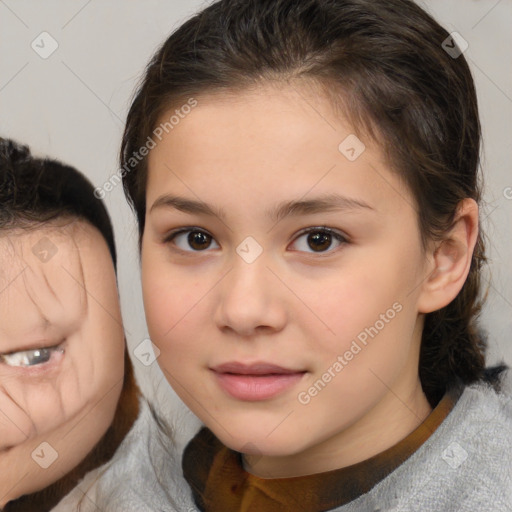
column 199, row 240
column 319, row 240
column 191, row 240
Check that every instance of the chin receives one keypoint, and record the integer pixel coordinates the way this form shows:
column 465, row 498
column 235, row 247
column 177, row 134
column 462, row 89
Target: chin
column 256, row 441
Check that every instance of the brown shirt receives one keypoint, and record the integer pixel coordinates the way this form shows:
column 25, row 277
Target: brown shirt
column 219, row 482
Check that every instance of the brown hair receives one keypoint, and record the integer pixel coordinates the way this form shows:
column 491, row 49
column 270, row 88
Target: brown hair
column 383, row 61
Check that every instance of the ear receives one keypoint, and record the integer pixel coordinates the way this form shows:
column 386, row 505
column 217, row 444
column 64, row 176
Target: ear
column 450, row 260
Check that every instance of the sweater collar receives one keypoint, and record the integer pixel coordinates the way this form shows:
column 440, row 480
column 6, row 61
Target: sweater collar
column 219, row 482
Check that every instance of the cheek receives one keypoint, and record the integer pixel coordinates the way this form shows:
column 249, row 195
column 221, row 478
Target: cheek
column 35, row 405
column 368, row 301
column 163, row 304
column 172, row 299
column 347, row 300
column 102, row 342
column 15, row 424
column 178, row 312
column 155, row 292
column 92, row 368
column 96, row 361
column 175, row 321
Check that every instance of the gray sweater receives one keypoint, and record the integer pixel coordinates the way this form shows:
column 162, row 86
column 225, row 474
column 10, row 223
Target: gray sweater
column 465, row 466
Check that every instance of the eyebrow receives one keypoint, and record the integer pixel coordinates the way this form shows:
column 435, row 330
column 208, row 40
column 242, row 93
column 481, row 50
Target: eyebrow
column 325, row 203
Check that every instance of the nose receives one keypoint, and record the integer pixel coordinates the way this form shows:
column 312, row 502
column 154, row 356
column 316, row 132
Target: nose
column 251, row 300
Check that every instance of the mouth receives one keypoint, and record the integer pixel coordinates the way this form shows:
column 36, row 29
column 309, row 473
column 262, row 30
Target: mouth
column 255, row 382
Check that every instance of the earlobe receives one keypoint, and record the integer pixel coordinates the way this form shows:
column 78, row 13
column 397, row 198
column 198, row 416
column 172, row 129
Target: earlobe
column 451, row 260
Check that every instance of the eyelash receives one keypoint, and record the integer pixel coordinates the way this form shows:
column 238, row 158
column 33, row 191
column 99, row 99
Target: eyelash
column 23, row 355
column 317, row 229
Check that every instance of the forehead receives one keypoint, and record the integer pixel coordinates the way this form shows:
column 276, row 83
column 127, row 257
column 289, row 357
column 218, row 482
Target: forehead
column 42, row 283
column 264, row 144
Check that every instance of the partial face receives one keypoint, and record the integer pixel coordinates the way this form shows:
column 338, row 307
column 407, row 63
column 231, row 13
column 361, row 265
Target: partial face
column 285, row 311
column 61, row 346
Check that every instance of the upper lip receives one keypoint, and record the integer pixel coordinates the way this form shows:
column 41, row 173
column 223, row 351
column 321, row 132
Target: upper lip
column 253, row 369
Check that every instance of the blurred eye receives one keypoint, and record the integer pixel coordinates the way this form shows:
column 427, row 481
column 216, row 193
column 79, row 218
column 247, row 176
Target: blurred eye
column 319, row 240
column 191, row 240
column 32, row 357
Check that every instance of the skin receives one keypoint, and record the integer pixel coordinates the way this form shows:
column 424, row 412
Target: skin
column 68, row 401
column 244, row 153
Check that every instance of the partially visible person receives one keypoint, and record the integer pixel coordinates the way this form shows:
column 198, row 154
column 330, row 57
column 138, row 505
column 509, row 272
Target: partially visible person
column 67, row 391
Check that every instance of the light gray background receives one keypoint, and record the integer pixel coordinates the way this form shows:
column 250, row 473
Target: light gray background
column 72, row 105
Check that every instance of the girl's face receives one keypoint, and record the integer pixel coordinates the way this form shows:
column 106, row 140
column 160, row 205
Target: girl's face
column 282, row 270
column 61, row 346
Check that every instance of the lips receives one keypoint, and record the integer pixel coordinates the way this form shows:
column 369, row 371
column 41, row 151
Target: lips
column 255, row 382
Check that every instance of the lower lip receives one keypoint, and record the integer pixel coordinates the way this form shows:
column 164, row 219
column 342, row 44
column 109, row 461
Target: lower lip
column 257, row 387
